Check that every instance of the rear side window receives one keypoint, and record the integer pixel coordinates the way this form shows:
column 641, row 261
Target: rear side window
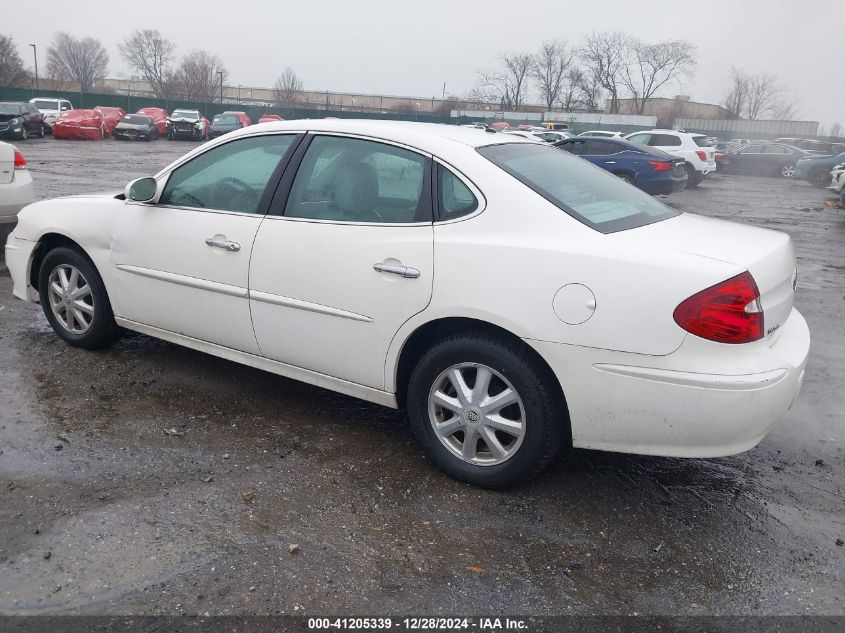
column 664, row 140
column 600, row 148
column 573, row 147
column 640, row 138
column 355, row 180
column 701, row 141
column 587, row 193
column 454, row 198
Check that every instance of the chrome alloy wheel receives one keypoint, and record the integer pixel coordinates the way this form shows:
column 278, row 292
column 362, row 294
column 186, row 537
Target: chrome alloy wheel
column 70, row 299
column 787, row 171
column 476, row 414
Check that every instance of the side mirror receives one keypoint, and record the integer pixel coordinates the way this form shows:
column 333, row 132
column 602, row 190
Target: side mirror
column 141, row 190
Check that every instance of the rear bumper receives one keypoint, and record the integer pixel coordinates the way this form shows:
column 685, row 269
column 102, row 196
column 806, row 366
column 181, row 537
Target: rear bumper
column 663, row 186
column 15, row 195
column 704, row 400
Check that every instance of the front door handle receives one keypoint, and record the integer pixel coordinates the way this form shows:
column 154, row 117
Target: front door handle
column 610, row 162
column 403, row 271
column 226, row 245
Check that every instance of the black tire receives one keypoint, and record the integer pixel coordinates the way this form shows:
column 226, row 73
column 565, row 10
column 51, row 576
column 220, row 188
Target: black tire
column 693, row 177
column 41, row 131
column 24, row 133
column 627, row 178
column 102, row 331
column 820, row 178
column 786, row 171
column 546, row 424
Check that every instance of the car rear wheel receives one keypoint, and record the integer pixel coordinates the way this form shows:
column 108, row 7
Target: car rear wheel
column 24, row 133
column 42, row 132
column 627, row 178
column 693, row 177
column 485, row 411
column 787, row 171
column 820, row 178
column 74, row 299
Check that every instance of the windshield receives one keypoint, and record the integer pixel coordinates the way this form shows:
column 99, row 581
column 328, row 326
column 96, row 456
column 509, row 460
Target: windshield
column 185, row 114
column 225, row 119
column 46, row 104
column 10, row 108
column 136, row 119
column 587, row 193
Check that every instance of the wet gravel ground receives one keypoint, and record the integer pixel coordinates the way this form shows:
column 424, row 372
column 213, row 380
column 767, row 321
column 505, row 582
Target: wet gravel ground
column 270, row 496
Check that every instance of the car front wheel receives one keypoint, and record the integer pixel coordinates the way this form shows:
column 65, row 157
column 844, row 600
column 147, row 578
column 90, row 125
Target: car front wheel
column 74, row 299
column 485, row 410
column 787, row 171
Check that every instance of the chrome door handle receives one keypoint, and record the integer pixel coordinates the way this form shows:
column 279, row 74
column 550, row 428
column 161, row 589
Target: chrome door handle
column 403, row 271
column 610, row 162
column 226, row 245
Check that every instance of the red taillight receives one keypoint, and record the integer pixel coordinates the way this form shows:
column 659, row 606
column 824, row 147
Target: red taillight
column 661, row 166
column 701, row 154
column 729, row 312
column 20, row 161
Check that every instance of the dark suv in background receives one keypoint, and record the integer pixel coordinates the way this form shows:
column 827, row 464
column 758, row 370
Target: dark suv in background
column 20, row 120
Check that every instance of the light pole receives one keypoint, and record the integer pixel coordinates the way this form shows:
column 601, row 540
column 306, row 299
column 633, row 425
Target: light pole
column 35, row 57
column 239, row 94
column 220, row 74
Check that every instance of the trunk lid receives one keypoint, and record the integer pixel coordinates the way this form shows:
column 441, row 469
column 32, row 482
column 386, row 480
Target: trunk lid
column 7, row 163
column 767, row 255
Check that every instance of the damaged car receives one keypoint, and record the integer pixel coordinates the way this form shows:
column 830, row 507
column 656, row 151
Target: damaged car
column 187, row 124
column 135, row 127
column 80, row 124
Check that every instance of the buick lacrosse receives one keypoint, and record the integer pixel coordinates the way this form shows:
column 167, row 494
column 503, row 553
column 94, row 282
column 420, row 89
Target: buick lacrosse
column 514, row 299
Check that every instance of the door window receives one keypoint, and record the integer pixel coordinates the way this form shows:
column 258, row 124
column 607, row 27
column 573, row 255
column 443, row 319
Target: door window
column 354, row 180
column 664, row 140
column 600, row 148
column 230, row 177
column 455, row 198
column 574, row 147
column 775, row 149
column 640, row 138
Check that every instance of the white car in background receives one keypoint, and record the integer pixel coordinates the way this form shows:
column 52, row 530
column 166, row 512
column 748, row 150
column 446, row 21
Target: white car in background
column 51, row 108
column 603, row 134
column 15, row 185
column 698, row 154
column 512, row 297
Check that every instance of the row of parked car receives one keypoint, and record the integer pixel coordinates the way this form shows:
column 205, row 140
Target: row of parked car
column 664, row 161
column 42, row 116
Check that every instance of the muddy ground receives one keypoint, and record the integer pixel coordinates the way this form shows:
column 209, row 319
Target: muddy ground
column 102, row 511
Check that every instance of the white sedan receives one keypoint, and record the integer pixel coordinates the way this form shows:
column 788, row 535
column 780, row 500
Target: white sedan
column 15, row 184
column 512, row 297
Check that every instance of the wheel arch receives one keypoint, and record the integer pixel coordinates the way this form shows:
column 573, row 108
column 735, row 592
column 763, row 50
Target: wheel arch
column 46, row 243
column 426, row 334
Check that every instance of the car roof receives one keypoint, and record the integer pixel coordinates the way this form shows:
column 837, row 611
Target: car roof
column 425, row 136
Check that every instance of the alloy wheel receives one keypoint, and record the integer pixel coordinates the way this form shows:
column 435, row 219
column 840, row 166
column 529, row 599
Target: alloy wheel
column 787, row 171
column 71, row 300
column 477, row 414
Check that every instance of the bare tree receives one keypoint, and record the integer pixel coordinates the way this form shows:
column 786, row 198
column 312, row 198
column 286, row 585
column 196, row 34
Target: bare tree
column 197, row 78
column 736, row 98
column 652, row 66
column 508, row 84
column 605, row 58
column 12, row 71
column 836, row 130
column 549, row 70
column 588, row 89
column 150, row 54
column 287, row 88
column 763, row 92
column 82, row 61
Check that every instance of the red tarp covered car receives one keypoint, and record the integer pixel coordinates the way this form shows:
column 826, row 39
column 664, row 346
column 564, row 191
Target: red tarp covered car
column 270, row 117
column 159, row 115
column 111, row 116
column 80, row 124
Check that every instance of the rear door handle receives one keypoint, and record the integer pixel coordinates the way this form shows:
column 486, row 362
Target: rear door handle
column 226, row 245
column 403, row 271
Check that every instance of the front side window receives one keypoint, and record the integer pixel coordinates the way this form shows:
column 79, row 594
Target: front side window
column 229, row 177
column 455, row 199
column 355, row 180
column 587, row 193
column 600, row 148
column 775, row 149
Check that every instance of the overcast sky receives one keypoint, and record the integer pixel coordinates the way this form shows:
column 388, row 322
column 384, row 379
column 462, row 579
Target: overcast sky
column 403, row 48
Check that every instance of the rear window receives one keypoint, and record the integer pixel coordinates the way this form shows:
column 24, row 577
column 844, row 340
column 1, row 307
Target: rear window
column 137, row 119
column 587, row 193
column 45, row 104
